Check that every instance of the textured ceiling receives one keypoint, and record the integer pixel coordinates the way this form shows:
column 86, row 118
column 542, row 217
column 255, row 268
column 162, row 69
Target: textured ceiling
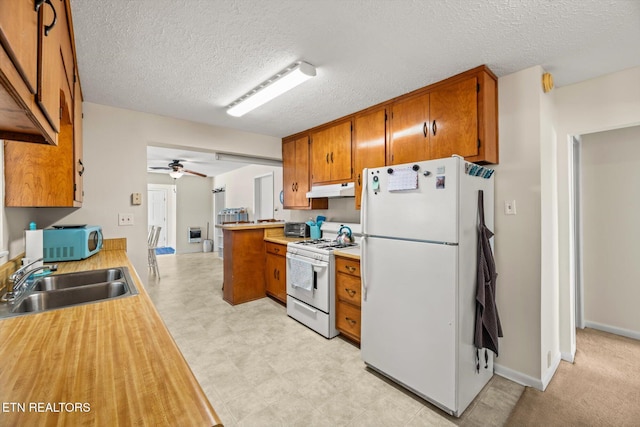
column 190, row 58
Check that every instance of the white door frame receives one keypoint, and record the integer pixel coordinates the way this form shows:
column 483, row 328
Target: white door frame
column 576, row 229
column 170, row 191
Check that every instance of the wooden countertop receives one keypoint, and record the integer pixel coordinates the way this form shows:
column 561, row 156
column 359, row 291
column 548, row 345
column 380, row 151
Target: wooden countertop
column 250, row 225
column 111, row 363
column 283, row 240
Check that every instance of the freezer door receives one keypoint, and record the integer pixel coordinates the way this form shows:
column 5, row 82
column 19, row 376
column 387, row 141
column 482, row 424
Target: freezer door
column 390, row 207
column 409, row 315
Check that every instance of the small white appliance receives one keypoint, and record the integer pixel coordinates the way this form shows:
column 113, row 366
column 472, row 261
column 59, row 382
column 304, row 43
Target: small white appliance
column 418, row 263
column 311, row 279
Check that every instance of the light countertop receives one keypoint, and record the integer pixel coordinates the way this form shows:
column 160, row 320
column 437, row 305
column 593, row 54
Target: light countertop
column 352, row 252
column 250, row 225
column 109, row 363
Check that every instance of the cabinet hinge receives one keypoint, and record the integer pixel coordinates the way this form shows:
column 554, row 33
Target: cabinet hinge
column 478, row 87
column 60, row 113
column 478, row 142
column 75, row 187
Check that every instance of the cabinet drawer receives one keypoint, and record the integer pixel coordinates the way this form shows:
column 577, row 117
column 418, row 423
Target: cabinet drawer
column 348, row 320
column 348, row 266
column 276, row 249
column 348, row 289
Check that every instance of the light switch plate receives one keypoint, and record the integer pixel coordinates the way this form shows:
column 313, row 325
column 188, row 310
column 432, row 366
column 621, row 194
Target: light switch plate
column 509, row 207
column 136, row 199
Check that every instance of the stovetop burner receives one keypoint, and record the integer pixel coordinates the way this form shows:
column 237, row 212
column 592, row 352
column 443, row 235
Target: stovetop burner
column 325, row 244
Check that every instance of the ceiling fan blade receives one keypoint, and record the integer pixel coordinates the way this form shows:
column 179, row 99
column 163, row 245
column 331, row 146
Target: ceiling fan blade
column 159, row 167
column 194, row 173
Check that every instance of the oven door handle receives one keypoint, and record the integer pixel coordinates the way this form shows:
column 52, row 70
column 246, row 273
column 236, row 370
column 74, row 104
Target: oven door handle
column 304, row 259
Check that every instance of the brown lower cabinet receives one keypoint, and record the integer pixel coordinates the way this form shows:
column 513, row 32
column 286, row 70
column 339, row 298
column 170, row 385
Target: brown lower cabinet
column 243, row 273
column 276, row 271
column 348, row 297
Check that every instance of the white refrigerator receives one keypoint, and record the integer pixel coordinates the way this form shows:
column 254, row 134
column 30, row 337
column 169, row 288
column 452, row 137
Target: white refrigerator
column 418, row 262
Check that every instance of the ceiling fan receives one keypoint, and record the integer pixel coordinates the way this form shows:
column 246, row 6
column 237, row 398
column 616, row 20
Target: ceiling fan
column 177, row 169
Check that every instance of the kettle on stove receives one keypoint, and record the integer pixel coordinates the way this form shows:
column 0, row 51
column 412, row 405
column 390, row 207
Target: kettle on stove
column 344, row 235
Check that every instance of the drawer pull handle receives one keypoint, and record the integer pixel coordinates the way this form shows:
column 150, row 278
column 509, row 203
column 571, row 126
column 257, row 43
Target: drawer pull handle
column 276, row 250
column 350, row 268
column 350, row 320
column 434, row 128
column 424, row 129
column 351, row 292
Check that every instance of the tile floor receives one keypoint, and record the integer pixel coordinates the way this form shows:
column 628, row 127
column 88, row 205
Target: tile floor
column 259, row 367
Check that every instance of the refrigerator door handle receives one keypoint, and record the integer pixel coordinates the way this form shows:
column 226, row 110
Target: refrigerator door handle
column 363, row 201
column 363, row 265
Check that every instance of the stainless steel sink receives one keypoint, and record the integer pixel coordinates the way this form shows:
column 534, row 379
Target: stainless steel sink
column 41, row 301
column 63, row 281
column 71, row 289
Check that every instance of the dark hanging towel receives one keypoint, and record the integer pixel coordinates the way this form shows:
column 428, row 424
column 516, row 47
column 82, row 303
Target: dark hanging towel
column 488, row 327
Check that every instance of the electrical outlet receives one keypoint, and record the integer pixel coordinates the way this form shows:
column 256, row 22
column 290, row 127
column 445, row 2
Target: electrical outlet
column 125, row 219
column 509, row 207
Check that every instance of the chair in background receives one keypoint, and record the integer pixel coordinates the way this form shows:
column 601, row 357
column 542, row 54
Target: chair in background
column 152, row 243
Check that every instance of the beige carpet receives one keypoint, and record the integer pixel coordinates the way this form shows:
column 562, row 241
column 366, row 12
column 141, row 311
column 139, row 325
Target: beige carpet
column 601, row 388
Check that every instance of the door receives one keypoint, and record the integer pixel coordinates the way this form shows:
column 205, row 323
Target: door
column 454, row 120
column 50, row 65
column 331, row 154
column 157, row 213
column 409, row 314
column 428, row 212
column 409, row 130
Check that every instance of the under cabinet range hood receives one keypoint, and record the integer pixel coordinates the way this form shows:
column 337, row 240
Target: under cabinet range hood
column 333, row 190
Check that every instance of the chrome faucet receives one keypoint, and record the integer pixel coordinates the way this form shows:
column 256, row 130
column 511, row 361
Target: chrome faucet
column 18, row 279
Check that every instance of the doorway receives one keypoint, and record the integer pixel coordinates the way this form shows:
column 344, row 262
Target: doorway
column 263, row 196
column 605, row 201
column 161, row 212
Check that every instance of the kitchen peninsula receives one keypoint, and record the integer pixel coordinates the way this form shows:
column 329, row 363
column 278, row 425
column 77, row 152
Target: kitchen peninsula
column 108, row 363
column 243, row 259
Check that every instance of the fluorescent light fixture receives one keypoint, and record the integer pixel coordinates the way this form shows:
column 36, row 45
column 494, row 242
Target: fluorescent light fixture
column 285, row 80
column 248, row 159
column 176, row 174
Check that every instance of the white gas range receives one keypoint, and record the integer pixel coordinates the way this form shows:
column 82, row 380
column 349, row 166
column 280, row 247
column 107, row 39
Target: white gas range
column 311, row 279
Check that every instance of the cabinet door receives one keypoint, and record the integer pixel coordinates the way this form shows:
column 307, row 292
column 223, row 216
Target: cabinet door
column 302, row 172
column 454, row 120
column 275, row 276
column 19, row 36
column 331, row 154
column 409, row 130
column 289, row 172
column 50, row 61
column 369, row 143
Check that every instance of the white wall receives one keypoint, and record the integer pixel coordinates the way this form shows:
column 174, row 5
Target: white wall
column 610, row 204
column 115, row 157
column 518, row 237
column 194, row 207
column 239, row 188
column 604, row 103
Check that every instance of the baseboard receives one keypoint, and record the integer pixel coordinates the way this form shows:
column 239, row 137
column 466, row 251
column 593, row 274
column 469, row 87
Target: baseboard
column 613, row 330
column 568, row 357
column 517, row 377
column 546, row 379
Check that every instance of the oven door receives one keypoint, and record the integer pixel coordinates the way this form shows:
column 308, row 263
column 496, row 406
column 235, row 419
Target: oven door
column 318, row 296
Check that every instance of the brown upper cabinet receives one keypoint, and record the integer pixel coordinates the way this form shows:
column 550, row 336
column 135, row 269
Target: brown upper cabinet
column 296, row 181
column 369, row 145
column 36, row 51
column 451, row 117
column 331, row 154
column 42, row 175
column 458, row 115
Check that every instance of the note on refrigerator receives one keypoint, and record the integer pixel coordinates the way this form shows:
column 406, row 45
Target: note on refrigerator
column 403, row 179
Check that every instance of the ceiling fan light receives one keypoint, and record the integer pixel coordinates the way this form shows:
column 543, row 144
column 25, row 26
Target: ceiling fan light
column 282, row 82
column 176, row 174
